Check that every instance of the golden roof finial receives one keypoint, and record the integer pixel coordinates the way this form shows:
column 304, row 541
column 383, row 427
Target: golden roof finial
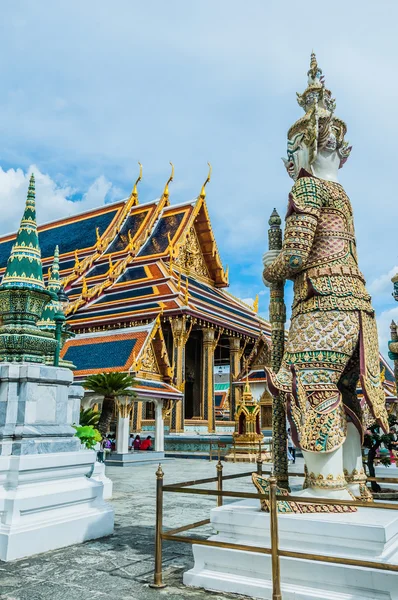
column 179, row 281
column 111, row 265
column 203, row 190
column 171, row 248
column 84, row 287
column 383, row 375
column 49, row 274
column 166, row 187
column 227, row 272
column 134, row 193
column 255, row 304
column 77, row 262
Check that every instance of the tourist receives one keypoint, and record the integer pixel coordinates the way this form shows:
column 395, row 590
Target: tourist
column 291, row 447
column 146, row 444
column 137, row 443
column 106, row 446
column 131, row 441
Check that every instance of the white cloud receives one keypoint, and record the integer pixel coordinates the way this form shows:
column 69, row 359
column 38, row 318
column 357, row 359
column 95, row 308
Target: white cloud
column 383, row 327
column 382, row 284
column 53, row 201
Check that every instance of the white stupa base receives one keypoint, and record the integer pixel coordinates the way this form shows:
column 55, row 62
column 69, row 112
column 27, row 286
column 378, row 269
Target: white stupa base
column 99, row 475
column 48, row 502
column 369, row 534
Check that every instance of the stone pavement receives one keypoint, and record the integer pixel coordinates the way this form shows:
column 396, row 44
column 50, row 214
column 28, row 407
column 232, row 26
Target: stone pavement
column 121, row 566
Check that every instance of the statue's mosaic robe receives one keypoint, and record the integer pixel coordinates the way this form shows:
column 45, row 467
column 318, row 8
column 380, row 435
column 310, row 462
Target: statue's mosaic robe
column 332, row 340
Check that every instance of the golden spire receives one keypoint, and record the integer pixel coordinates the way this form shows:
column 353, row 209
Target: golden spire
column 134, row 193
column 179, row 281
column 203, row 190
column 166, row 187
column 255, row 304
column 247, row 395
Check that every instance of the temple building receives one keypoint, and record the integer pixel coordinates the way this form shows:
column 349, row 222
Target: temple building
column 126, row 266
column 148, row 295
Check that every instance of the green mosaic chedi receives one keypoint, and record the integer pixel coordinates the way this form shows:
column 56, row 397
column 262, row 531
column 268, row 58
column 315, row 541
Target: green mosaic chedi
column 47, row 319
column 23, row 295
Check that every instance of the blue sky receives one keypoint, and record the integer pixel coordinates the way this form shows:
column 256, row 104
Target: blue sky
column 89, row 88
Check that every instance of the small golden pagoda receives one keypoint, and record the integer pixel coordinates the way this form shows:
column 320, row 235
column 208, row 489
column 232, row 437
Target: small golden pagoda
column 247, row 437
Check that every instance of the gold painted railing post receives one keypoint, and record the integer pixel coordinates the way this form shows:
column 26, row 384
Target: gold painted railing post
column 259, row 460
column 276, row 575
column 158, row 576
column 219, row 480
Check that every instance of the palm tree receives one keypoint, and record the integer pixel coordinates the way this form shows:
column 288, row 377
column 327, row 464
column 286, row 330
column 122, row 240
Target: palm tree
column 111, row 386
column 89, row 416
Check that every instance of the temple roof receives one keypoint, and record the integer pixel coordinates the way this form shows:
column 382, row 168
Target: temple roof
column 139, row 350
column 125, row 263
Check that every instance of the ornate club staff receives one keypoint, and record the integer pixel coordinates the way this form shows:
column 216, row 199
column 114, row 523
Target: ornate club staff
column 277, row 315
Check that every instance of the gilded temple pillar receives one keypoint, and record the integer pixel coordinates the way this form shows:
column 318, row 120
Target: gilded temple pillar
column 208, row 346
column 180, row 336
column 234, row 369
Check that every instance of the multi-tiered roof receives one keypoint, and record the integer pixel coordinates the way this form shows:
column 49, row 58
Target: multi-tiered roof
column 124, row 263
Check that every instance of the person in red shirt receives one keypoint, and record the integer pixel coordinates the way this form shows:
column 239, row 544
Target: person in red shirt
column 146, row 444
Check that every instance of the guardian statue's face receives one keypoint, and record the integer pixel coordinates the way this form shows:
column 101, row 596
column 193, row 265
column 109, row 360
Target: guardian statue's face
column 297, row 156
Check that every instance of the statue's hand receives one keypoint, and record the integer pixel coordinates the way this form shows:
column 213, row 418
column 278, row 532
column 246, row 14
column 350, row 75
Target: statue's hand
column 269, row 257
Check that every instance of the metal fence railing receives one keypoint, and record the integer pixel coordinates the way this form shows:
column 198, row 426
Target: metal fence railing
column 274, row 551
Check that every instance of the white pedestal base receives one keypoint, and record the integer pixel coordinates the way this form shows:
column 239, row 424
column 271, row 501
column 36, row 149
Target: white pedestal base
column 47, row 499
column 54, row 504
column 368, row 534
column 99, row 475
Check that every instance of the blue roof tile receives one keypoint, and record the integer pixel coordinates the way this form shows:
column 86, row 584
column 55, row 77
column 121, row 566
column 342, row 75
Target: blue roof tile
column 106, row 355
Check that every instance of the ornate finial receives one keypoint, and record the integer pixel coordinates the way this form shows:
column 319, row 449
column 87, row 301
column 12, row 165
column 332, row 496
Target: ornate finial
column 255, row 304
column 97, row 234
column 179, row 281
column 159, row 472
column 166, row 187
column 111, row 265
column 316, row 93
column 247, row 395
column 24, row 267
column 134, row 193
column 227, row 272
column 314, row 70
column 383, row 375
column 274, row 220
column 203, row 190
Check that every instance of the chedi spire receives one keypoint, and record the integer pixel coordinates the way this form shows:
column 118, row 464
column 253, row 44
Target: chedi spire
column 24, row 268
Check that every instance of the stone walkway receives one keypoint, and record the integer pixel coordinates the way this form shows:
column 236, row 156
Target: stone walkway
column 121, row 567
